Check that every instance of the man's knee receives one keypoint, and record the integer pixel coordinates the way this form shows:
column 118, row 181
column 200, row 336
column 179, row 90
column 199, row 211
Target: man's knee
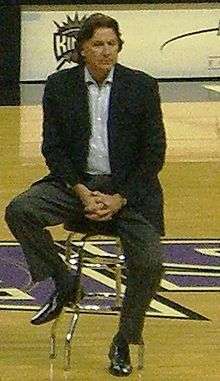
column 141, row 241
column 147, row 257
column 15, row 209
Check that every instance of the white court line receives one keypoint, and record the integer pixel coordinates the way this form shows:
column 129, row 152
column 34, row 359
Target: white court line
column 101, row 278
column 168, row 285
column 192, row 267
column 161, row 308
column 106, row 242
column 20, row 307
column 181, row 241
column 164, row 310
column 9, row 244
column 192, row 273
column 164, row 241
column 14, row 294
column 212, row 87
column 204, row 288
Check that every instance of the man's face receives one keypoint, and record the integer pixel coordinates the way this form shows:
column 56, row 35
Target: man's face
column 100, row 52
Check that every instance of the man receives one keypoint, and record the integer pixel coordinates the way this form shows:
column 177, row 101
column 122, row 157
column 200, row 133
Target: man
column 104, row 144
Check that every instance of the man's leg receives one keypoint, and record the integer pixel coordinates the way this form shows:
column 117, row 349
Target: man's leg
column 142, row 249
column 44, row 204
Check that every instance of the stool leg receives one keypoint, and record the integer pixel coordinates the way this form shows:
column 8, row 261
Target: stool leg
column 53, row 335
column 51, row 372
column 141, row 350
column 69, row 336
column 118, row 286
column 118, row 275
column 76, row 307
column 68, row 249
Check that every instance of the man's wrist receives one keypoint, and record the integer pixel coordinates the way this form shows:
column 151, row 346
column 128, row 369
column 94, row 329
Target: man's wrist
column 82, row 192
column 122, row 199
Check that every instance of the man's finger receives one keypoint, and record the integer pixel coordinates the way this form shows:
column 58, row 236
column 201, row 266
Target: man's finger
column 99, row 215
column 102, row 200
column 99, row 212
column 93, row 208
column 96, row 193
column 94, row 217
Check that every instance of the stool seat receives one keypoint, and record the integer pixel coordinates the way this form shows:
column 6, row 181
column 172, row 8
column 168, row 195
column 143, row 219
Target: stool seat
column 90, row 227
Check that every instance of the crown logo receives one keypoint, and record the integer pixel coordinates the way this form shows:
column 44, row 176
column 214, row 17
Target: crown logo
column 64, row 39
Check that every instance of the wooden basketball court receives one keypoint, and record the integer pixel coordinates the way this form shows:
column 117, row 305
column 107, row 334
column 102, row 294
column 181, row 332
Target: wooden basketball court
column 176, row 349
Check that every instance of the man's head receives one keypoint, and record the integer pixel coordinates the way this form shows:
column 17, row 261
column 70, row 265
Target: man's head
column 99, row 42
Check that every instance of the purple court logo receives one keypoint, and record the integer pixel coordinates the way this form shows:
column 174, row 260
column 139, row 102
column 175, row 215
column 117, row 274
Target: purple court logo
column 190, row 265
column 64, row 39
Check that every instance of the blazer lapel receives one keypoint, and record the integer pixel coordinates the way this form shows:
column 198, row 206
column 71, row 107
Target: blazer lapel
column 117, row 88
column 81, row 99
column 117, row 95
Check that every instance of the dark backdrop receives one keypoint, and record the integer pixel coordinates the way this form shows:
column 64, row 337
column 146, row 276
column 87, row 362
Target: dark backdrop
column 103, row 2
column 10, row 31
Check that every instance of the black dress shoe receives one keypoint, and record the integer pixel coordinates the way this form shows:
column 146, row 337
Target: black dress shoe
column 120, row 360
column 65, row 296
column 50, row 310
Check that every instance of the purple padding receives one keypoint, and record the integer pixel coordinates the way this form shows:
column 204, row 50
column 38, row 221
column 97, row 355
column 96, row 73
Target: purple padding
column 95, row 286
column 185, row 253
column 194, row 281
column 14, row 272
column 12, row 253
column 13, row 275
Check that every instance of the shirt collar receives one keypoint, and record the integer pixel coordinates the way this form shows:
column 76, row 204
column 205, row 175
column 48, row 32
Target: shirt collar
column 89, row 79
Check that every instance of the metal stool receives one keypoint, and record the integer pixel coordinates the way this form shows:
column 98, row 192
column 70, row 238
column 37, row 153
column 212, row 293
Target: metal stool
column 78, row 260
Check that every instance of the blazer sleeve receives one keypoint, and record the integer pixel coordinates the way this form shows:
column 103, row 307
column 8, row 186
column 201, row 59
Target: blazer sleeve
column 154, row 137
column 55, row 149
column 152, row 142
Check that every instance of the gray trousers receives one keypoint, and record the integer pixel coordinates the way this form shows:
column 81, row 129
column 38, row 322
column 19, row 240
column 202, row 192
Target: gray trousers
column 50, row 203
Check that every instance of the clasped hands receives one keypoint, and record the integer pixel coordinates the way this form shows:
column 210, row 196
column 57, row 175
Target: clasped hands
column 98, row 206
column 102, row 207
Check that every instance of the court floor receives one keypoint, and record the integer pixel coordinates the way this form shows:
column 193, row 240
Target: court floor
column 182, row 329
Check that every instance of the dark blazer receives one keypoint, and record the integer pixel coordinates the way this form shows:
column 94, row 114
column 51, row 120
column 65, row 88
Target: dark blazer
column 135, row 130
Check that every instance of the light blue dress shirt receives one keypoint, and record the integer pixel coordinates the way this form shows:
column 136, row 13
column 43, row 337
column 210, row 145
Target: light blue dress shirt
column 98, row 158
